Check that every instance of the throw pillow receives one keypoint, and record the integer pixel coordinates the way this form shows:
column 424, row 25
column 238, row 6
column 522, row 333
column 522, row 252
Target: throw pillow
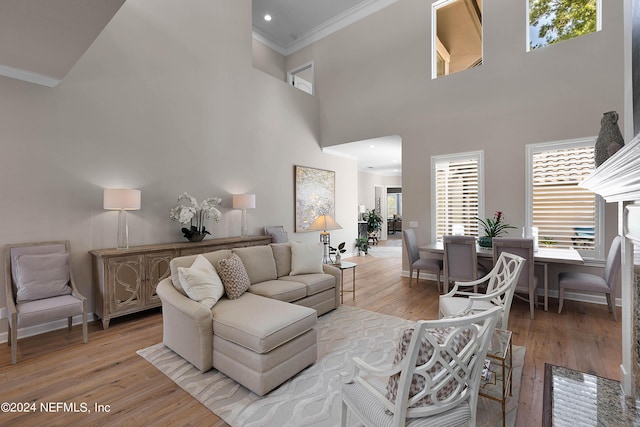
column 279, row 237
column 425, row 353
column 201, row 282
column 306, row 258
column 234, row 276
column 42, row 276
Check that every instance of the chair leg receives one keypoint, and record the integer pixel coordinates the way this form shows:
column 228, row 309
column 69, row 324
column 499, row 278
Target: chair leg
column 532, row 300
column 14, row 342
column 343, row 421
column 612, row 306
column 85, row 332
column 561, row 300
column 410, row 275
column 439, row 289
column 417, row 277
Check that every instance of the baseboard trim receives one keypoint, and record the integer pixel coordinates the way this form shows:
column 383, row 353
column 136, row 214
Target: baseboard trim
column 46, row 327
column 553, row 293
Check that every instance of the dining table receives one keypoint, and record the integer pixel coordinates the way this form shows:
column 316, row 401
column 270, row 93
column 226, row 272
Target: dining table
column 543, row 256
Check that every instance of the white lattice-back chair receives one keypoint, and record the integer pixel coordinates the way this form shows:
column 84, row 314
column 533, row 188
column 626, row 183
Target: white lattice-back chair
column 40, row 288
column 501, row 284
column 436, row 376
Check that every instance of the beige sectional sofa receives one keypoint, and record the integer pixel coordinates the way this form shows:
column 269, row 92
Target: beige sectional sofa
column 265, row 336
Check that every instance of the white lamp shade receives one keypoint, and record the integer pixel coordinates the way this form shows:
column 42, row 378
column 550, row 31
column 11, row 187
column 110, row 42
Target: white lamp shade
column 324, row 223
column 244, row 201
column 121, row 199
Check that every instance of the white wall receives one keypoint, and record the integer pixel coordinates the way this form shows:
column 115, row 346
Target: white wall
column 166, row 100
column 373, row 78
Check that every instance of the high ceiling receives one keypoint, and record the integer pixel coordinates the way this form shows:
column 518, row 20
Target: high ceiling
column 297, row 23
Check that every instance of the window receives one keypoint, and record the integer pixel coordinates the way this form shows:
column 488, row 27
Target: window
column 302, row 78
column 551, row 21
column 456, row 189
column 456, row 39
column 566, row 214
column 394, row 202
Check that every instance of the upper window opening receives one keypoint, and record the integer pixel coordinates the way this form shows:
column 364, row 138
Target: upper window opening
column 302, row 78
column 457, row 36
column 551, row 21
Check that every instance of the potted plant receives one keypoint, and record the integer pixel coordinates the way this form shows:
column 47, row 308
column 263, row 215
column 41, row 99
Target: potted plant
column 362, row 245
column 337, row 251
column 492, row 228
column 374, row 223
column 195, row 215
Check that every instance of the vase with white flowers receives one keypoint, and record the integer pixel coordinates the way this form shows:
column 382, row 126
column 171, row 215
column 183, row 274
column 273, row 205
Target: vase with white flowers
column 188, row 211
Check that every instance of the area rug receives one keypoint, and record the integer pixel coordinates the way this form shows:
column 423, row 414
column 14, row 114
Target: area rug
column 312, row 398
column 385, row 251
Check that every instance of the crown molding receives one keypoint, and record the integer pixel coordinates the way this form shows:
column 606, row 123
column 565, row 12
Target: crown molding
column 28, row 76
column 327, row 28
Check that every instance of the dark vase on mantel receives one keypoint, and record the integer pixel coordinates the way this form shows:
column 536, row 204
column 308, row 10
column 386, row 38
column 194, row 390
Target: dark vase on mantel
column 610, row 138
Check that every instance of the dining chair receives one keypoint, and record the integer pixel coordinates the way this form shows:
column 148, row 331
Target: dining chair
column 501, row 283
column 434, row 380
column 40, row 288
column 527, row 282
column 461, row 260
column 417, row 263
column 594, row 283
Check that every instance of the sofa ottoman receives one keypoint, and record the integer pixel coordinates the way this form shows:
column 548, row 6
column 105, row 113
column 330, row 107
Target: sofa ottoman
column 269, row 343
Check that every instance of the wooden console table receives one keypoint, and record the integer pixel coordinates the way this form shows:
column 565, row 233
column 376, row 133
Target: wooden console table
column 125, row 280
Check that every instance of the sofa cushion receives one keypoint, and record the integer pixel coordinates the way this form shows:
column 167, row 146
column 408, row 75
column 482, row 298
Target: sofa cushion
column 201, row 282
column 234, row 276
column 315, row 283
column 286, row 291
column 282, row 257
column 187, row 261
column 259, row 263
column 260, row 324
column 306, row 258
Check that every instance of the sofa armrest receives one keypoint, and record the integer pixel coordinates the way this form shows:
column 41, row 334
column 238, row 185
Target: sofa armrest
column 337, row 274
column 187, row 326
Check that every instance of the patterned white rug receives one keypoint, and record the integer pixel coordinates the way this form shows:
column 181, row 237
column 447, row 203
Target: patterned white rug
column 312, row 398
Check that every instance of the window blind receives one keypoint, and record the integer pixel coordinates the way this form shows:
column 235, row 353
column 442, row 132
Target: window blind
column 457, row 187
column 564, row 213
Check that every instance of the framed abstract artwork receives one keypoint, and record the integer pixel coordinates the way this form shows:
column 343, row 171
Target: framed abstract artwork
column 314, row 195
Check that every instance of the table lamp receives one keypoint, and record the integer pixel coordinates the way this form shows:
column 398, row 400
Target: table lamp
column 122, row 200
column 323, row 223
column 244, row 202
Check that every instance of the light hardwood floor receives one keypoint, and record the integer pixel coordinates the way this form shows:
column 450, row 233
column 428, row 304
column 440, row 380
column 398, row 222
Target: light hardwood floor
column 57, row 367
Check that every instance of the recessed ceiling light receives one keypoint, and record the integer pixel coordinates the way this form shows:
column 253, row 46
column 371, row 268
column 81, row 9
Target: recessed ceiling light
column 267, row 17
column 372, row 146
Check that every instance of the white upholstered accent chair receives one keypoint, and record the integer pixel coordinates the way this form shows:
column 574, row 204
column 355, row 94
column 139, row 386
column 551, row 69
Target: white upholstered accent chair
column 501, row 284
column 594, row 283
column 40, row 288
column 436, row 381
column 461, row 260
column 527, row 282
column 417, row 263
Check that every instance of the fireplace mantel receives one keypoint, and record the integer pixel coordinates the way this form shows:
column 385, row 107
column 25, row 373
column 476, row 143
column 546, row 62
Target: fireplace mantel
column 618, row 180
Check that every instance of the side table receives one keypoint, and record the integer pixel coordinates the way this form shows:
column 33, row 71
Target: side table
column 345, row 265
column 500, row 354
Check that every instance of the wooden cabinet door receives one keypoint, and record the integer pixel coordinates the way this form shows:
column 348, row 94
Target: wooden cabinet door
column 157, row 267
column 125, row 282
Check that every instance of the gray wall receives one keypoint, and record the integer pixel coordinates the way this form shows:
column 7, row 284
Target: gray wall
column 373, row 79
column 165, row 100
